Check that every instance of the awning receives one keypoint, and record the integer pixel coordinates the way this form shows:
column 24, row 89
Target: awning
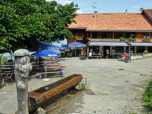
column 108, row 44
column 140, row 44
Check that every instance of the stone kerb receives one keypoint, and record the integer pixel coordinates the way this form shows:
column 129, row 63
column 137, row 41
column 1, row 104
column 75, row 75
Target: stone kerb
column 22, row 68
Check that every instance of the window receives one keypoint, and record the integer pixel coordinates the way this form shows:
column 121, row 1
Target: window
column 131, row 49
column 99, row 35
column 146, row 35
column 140, row 49
column 119, row 49
column 109, row 35
column 149, row 49
column 80, row 36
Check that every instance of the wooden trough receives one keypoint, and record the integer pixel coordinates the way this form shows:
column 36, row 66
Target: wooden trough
column 42, row 95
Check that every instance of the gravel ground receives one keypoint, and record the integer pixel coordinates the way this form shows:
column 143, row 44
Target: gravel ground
column 112, row 91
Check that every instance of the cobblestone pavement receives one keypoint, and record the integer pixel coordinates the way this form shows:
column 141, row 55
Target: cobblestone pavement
column 115, row 90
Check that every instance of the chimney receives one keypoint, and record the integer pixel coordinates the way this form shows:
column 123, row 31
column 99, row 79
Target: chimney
column 95, row 12
column 126, row 11
column 141, row 9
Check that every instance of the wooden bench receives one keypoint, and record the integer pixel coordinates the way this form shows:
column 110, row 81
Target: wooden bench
column 95, row 56
column 9, row 75
column 82, row 57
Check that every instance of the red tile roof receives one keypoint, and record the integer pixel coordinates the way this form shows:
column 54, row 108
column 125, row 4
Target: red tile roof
column 149, row 12
column 113, row 21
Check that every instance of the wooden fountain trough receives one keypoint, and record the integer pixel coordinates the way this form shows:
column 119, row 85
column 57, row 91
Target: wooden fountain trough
column 43, row 94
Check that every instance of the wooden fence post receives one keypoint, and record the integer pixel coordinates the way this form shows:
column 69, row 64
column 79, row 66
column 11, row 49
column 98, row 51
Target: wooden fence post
column 22, row 68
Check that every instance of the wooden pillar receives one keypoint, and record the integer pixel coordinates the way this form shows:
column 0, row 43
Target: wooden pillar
column 87, row 51
column 124, row 48
column 113, row 34
column 90, row 34
column 22, row 68
column 135, row 50
column 129, row 49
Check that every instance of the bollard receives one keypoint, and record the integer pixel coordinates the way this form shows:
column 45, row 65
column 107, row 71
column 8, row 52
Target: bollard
column 22, row 68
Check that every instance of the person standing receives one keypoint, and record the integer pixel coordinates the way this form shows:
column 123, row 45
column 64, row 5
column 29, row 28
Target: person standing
column 107, row 53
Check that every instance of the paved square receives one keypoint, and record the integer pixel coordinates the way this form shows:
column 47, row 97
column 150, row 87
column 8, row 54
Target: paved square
column 115, row 90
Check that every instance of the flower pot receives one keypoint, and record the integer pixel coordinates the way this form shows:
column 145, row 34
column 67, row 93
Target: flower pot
column 131, row 54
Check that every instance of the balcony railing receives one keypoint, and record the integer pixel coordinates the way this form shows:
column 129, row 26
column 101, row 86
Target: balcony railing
column 105, row 39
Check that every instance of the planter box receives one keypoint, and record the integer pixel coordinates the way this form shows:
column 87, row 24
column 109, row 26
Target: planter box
column 145, row 40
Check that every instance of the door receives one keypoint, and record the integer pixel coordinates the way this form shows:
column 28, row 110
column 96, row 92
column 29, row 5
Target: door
column 105, row 48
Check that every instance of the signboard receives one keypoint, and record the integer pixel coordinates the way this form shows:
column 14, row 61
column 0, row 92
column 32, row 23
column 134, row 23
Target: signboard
column 53, row 48
column 50, row 55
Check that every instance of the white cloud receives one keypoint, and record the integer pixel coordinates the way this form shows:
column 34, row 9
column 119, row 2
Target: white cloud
column 64, row 2
column 137, row 7
column 79, row 11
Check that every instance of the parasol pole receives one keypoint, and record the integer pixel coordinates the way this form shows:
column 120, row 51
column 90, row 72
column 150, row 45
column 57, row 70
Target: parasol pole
column 75, row 51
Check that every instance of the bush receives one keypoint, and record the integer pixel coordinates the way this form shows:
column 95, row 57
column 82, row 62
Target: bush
column 148, row 96
column 3, row 59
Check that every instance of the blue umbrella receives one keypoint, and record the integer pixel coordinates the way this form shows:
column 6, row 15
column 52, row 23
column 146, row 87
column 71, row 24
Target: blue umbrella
column 46, row 53
column 76, row 44
column 45, row 46
column 62, row 48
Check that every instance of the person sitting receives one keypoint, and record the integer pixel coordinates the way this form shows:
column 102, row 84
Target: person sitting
column 83, row 53
column 99, row 53
column 90, row 53
column 125, row 55
column 94, row 53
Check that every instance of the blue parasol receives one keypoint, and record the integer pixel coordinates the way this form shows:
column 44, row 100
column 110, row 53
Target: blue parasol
column 46, row 53
column 76, row 44
column 63, row 48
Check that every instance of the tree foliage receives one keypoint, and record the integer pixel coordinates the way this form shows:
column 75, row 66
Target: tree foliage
column 23, row 22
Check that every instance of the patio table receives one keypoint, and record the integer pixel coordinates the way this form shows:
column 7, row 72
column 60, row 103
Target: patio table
column 5, row 68
column 69, row 54
column 6, row 65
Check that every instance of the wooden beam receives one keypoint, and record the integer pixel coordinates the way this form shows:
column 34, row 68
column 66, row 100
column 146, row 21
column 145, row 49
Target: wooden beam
column 50, row 72
column 51, row 68
column 50, row 64
column 113, row 34
column 90, row 34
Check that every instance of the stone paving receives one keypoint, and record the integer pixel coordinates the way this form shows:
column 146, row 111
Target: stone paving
column 115, row 90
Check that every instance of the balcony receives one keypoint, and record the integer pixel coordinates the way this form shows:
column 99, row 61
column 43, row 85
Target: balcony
column 105, row 39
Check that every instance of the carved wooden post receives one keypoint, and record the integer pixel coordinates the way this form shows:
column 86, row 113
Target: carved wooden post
column 22, row 68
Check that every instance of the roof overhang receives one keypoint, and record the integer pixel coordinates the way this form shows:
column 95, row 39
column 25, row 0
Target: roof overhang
column 108, row 44
column 75, row 28
column 147, row 14
column 140, row 44
column 117, row 31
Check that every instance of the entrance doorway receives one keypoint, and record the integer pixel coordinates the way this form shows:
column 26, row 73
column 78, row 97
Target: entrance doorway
column 105, row 48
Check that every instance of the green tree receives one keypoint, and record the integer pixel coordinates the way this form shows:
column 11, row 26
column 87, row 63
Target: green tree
column 24, row 22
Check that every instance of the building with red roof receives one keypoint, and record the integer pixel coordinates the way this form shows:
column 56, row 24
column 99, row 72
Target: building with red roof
column 118, row 32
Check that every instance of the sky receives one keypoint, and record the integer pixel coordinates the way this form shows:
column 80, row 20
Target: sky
column 106, row 6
